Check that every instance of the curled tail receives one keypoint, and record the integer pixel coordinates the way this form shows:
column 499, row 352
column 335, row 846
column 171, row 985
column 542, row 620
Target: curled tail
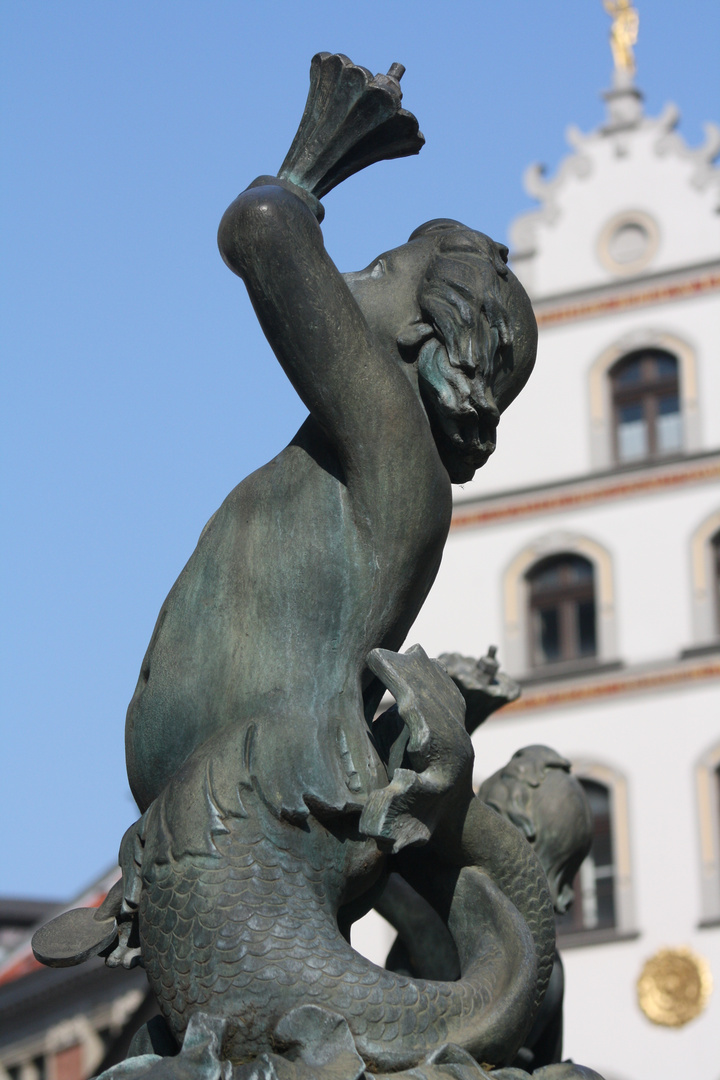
column 236, row 907
column 238, row 910
column 251, row 934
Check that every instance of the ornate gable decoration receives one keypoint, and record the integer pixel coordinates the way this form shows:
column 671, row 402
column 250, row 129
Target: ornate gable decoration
column 632, row 199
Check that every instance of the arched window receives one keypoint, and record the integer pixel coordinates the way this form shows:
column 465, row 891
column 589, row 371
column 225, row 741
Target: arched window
column 705, row 576
column 559, row 608
column 708, row 793
column 603, row 907
column 679, row 425
column 594, row 885
column 646, row 406
column 562, row 610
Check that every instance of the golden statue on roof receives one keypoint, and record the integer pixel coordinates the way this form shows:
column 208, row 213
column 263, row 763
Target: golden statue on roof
column 623, row 33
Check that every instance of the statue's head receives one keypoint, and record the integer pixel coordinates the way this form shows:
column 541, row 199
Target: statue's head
column 461, row 317
column 536, row 792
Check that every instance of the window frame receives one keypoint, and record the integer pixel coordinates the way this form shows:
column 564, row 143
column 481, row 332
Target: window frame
column 707, row 787
column 602, row 426
column 623, row 893
column 715, row 576
column 705, row 579
column 573, row 921
column 565, row 599
column 647, row 393
column 516, row 608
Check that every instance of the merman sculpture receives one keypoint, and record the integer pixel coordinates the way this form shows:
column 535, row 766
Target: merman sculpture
column 272, row 806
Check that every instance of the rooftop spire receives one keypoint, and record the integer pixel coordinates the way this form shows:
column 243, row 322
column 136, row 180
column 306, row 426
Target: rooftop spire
column 624, row 100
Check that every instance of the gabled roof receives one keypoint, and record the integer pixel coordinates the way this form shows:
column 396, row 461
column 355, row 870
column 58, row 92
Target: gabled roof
column 632, row 199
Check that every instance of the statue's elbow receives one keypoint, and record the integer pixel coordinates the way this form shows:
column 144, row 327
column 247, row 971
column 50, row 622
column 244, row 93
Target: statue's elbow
column 249, row 223
column 235, row 232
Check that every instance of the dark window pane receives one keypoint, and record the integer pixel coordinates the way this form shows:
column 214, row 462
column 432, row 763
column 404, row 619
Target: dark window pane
column 630, row 372
column 549, row 626
column 599, row 799
column 630, row 414
column 562, row 609
column 547, row 577
column 602, row 841
column 594, row 885
column 586, row 628
column 665, row 365
column 668, row 404
column 579, row 569
column 646, row 395
column 583, row 570
column 605, row 903
column 559, row 571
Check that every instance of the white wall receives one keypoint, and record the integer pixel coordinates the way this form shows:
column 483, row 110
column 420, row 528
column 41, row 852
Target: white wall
column 648, row 539
column 545, row 433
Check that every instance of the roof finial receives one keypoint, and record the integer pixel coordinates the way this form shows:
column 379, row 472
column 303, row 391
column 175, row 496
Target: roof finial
column 624, row 100
column 623, row 35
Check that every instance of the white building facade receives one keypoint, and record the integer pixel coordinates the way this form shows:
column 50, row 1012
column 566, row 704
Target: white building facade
column 588, row 549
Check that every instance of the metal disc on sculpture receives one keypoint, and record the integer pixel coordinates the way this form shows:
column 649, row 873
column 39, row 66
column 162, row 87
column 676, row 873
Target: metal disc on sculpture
column 674, row 987
column 73, row 937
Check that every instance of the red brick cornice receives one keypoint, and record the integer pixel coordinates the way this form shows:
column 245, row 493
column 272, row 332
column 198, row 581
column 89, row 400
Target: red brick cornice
column 569, row 495
column 577, row 692
column 569, row 311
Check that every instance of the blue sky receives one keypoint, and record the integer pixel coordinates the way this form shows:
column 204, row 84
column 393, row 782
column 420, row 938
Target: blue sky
column 137, row 388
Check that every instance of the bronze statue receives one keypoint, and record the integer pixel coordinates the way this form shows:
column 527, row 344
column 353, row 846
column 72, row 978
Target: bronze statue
column 272, row 806
column 537, row 793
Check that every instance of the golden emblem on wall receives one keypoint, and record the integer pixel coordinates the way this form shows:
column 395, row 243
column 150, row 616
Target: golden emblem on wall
column 674, row 987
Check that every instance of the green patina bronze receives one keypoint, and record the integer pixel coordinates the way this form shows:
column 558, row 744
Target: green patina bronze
column 273, row 807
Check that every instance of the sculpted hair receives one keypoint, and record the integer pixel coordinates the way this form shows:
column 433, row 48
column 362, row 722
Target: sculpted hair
column 462, row 282
column 471, row 302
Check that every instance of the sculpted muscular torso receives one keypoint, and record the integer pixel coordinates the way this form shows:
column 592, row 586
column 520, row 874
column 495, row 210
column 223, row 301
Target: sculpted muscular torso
column 329, row 550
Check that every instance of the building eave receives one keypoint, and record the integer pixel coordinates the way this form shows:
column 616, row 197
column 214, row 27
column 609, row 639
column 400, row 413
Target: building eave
column 645, row 290
column 571, row 493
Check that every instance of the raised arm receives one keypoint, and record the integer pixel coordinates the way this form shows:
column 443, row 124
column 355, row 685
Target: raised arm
column 350, row 380
column 270, row 237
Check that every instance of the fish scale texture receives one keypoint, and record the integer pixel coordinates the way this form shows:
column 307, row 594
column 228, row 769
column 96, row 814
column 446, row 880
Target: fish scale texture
column 248, row 934
column 523, row 881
